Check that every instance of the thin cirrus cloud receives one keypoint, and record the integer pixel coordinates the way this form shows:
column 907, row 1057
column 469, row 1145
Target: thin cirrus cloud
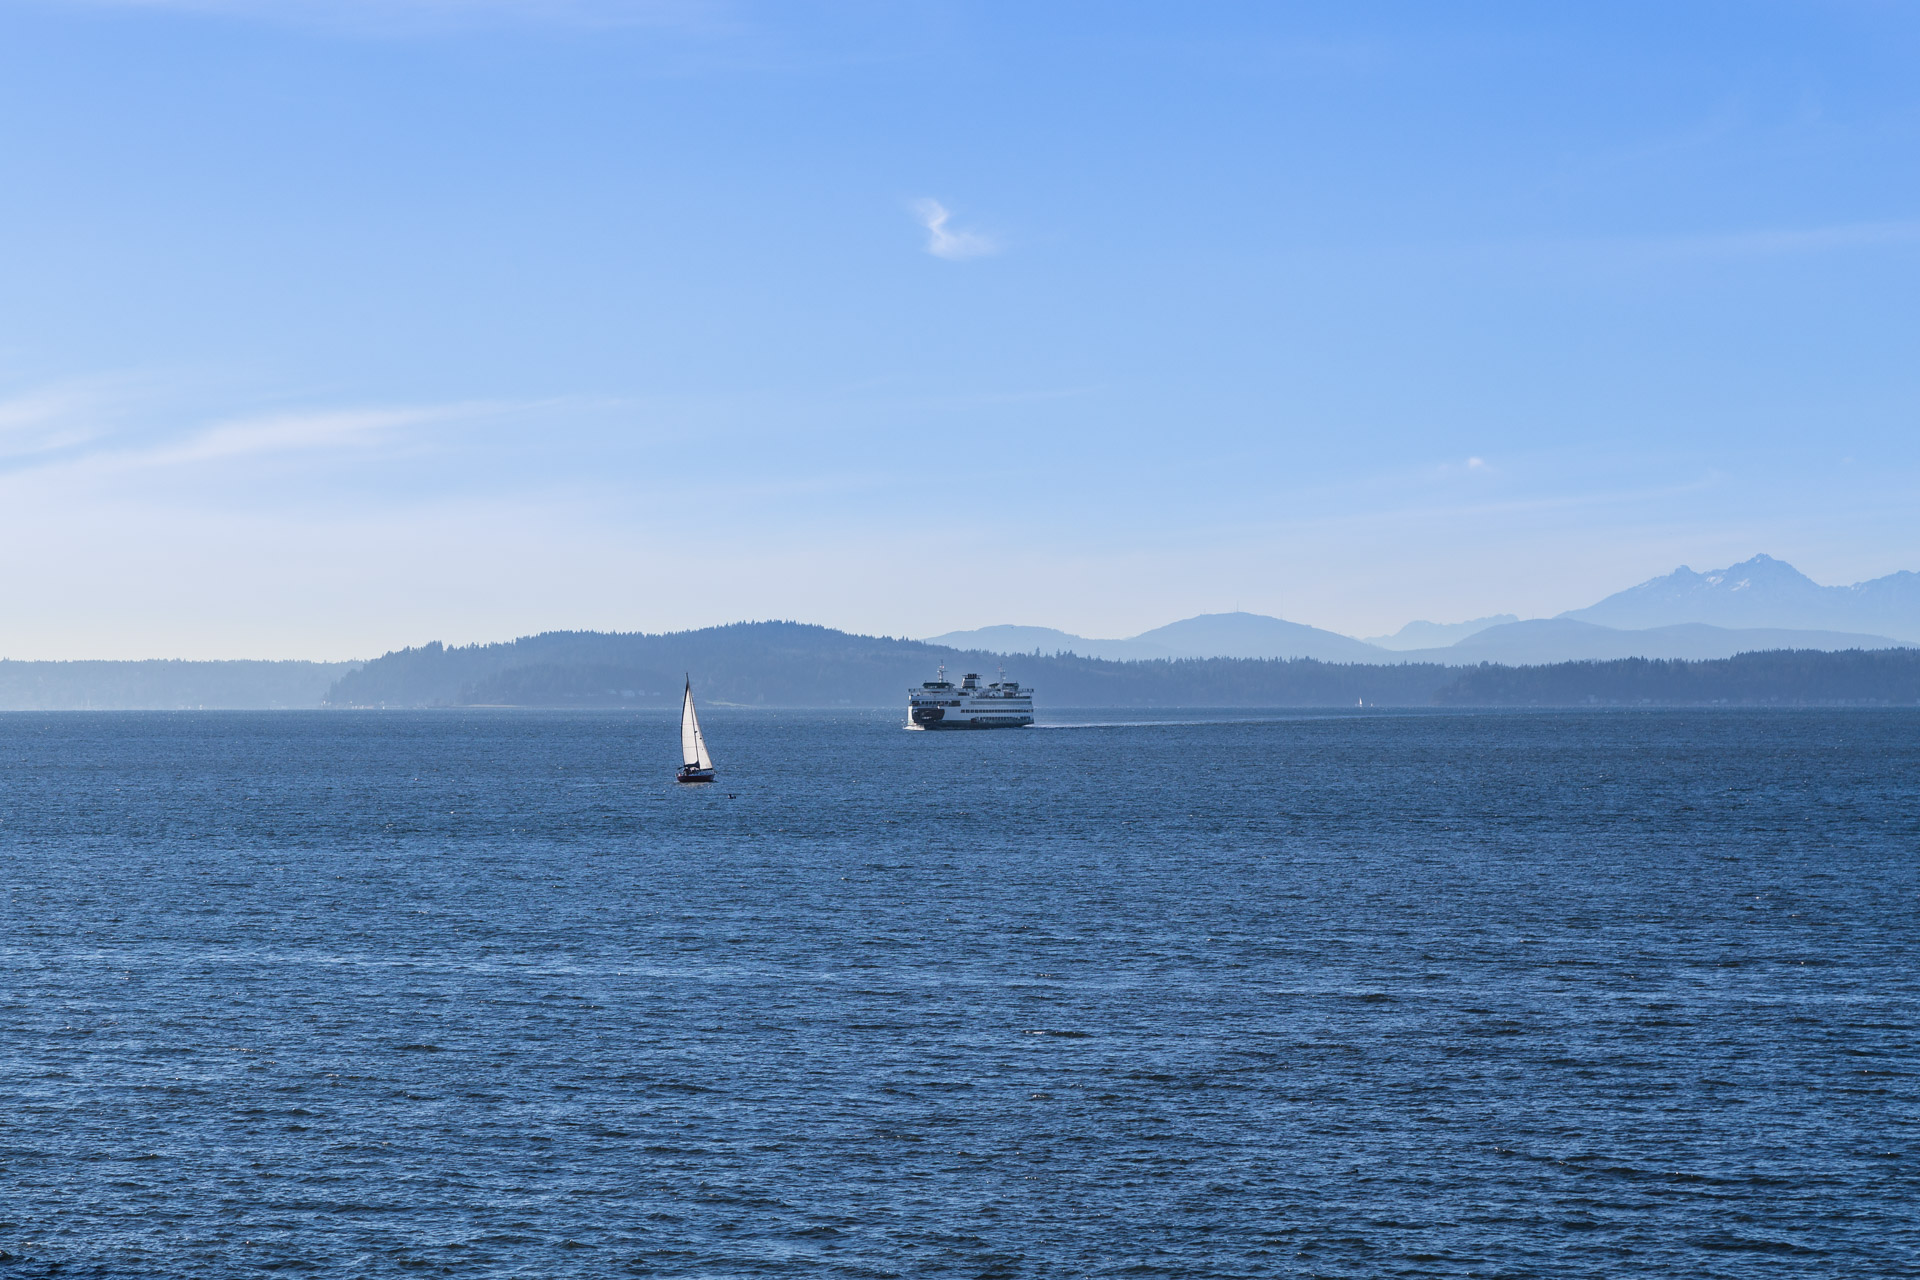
column 943, row 240
column 65, row 429
column 292, row 432
column 45, row 425
column 43, row 421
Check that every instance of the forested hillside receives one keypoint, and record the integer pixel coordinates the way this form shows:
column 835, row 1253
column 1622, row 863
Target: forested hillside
column 784, row 664
column 1883, row 677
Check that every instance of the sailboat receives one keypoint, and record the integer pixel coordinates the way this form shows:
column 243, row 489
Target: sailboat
column 693, row 747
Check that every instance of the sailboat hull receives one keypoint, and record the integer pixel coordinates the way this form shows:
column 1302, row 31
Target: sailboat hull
column 694, row 775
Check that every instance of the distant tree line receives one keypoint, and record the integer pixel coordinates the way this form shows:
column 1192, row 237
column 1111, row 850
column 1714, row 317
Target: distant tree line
column 786, row 664
column 1785, row 677
column 165, row 685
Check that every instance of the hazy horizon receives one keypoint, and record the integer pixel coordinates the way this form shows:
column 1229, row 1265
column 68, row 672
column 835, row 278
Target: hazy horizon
column 333, row 329
column 1438, row 633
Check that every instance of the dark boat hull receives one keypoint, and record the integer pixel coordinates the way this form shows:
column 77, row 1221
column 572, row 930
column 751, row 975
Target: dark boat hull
column 694, row 775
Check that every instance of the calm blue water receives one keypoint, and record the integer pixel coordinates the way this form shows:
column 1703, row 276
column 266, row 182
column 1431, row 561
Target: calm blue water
column 485, row 994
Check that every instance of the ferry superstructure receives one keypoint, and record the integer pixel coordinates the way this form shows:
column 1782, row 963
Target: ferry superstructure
column 939, row 704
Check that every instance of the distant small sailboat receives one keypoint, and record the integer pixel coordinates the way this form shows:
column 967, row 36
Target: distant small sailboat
column 693, row 747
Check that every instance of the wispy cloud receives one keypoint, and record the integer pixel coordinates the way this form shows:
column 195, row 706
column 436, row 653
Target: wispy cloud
column 37, row 408
column 945, row 242
column 104, row 428
column 31, row 421
column 46, row 422
column 291, row 432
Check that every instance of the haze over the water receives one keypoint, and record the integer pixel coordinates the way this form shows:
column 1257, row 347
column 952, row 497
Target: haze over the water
column 333, row 328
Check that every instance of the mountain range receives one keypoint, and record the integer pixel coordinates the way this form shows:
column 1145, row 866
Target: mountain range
column 1435, row 635
column 1764, row 592
column 1762, row 606
column 1211, row 635
column 1759, row 604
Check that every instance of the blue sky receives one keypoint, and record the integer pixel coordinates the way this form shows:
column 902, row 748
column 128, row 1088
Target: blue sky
column 328, row 328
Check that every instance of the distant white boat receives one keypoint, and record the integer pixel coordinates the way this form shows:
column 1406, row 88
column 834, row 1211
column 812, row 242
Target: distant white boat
column 698, row 766
column 936, row 704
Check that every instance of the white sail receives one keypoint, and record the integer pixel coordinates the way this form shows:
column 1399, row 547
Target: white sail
column 693, row 747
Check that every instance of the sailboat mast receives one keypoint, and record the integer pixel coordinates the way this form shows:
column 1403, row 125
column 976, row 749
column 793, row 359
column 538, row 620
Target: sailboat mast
column 693, row 745
column 689, row 729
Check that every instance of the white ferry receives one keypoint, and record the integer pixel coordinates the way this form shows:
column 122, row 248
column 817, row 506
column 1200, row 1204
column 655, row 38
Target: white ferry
column 937, row 704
